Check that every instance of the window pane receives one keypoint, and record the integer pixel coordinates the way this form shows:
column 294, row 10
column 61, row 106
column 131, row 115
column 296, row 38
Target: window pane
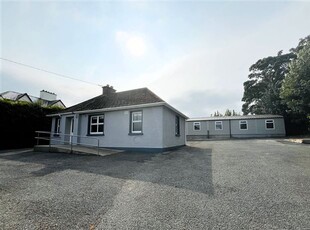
column 177, row 125
column 101, row 119
column 137, row 116
column 137, row 126
column 218, row 125
column 243, row 126
column 93, row 120
column 269, row 125
column 196, row 126
column 93, row 128
column 100, row 128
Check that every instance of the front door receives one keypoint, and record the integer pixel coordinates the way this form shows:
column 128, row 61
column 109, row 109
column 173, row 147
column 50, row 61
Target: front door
column 69, row 128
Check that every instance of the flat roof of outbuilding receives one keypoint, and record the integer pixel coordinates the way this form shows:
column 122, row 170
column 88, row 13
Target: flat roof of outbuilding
column 245, row 117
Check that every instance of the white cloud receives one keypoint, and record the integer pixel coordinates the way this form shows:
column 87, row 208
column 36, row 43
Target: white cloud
column 132, row 43
column 221, row 72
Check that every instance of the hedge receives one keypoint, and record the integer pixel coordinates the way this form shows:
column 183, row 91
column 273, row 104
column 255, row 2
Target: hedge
column 19, row 121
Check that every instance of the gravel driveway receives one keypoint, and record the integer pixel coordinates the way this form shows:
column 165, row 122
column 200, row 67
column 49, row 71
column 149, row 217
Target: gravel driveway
column 235, row 184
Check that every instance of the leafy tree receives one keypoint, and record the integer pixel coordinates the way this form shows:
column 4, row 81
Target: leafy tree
column 262, row 90
column 234, row 113
column 217, row 114
column 228, row 112
column 295, row 90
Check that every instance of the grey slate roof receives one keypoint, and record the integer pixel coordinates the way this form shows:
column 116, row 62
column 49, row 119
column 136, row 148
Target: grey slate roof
column 112, row 100
column 246, row 117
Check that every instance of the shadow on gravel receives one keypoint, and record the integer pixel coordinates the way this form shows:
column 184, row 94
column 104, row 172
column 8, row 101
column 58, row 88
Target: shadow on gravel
column 188, row 168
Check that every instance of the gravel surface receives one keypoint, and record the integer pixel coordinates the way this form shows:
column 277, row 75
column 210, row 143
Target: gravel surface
column 235, row 184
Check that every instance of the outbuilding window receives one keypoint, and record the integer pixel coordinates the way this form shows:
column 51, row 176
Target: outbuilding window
column 218, row 125
column 136, row 122
column 196, row 126
column 243, row 125
column 269, row 124
column 96, row 125
column 177, row 125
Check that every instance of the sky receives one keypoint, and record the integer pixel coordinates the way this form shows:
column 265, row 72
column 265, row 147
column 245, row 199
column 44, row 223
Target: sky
column 193, row 54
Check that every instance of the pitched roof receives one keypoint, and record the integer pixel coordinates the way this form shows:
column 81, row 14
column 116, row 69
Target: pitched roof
column 14, row 96
column 245, row 117
column 112, row 100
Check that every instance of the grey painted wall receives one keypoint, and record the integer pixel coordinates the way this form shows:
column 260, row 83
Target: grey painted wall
column 156, row 122
column 256, row 128
column 169, row 137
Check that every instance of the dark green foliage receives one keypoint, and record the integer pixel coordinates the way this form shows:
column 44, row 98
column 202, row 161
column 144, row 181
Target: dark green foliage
column 281, row 85
column 19, row 121
column 295, row 90
column 227, row 113
column 262, row 90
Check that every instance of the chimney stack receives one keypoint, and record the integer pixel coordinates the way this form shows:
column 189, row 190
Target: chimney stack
column 48, row 96
column 107, row 90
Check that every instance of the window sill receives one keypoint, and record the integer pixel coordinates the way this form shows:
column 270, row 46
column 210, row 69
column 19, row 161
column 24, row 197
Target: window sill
column 135, row 134
column 94, row 135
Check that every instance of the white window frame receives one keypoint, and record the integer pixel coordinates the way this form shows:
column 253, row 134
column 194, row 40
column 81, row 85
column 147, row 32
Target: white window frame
column 220, row 122
column 197, row 123
column 136, row 121
column 242, row 123
column 269, row 121
column 96, row 124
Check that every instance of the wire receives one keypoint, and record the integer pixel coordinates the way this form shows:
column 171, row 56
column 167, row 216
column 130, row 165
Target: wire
column 50, row 72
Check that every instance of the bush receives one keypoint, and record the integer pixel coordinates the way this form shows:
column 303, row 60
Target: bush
column 19, row 121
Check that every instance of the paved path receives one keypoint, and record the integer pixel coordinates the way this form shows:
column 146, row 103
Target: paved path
column 256, row 184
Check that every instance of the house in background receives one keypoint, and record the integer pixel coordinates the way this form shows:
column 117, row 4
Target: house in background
column 46, row 98
column 235, row 127
column 130, row 120
column 14, row 96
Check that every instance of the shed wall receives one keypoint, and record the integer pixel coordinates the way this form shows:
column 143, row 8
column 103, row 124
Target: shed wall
column 231, row 128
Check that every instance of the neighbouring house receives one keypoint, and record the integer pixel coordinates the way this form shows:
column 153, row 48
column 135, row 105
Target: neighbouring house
column 249, row 126
column 46, row 99
column 130, row 120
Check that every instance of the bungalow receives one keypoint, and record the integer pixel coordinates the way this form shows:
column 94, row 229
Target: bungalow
column 130, row 120
column 235, row 127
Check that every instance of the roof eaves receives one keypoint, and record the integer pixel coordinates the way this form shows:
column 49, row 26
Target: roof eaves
column 111, row 109
column 175, row 110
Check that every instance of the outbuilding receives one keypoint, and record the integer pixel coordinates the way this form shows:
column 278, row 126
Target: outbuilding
column 250, row 126
column 129, row 120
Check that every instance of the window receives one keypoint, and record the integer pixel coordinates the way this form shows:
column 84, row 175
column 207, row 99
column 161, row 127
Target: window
column 96, row 125
column 243, row 125
column 218, row 125
column 57, row 126
column 136, row 122
column 177, row 125
column 196, row 126
column 269, row 124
